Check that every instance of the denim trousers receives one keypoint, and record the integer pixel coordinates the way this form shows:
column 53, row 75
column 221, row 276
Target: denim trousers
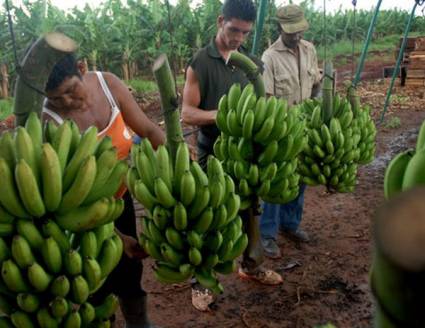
column 286, row 216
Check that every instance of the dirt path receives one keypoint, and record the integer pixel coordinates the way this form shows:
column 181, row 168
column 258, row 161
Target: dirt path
column 325, row 280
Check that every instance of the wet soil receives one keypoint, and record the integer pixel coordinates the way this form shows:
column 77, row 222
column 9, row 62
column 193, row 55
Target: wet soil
column 325, row 280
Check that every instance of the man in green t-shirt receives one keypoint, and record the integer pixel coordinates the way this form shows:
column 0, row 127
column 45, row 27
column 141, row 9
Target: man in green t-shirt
column 208, row 78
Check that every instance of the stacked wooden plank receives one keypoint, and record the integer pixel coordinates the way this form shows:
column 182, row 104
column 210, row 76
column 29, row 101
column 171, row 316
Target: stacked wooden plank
column 416, row 64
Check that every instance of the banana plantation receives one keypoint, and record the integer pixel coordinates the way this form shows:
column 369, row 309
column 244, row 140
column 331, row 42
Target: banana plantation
column 125, row 206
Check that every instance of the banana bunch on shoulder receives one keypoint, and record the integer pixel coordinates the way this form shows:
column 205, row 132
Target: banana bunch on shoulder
column 57, row 238
column 335, row 148
column 406, row 169
column 259, row 144
column 192, row 227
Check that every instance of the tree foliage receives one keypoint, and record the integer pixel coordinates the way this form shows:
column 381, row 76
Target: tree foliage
column 125, row 36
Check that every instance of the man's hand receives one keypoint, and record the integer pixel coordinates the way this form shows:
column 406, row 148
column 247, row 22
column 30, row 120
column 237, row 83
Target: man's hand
column 132, row 248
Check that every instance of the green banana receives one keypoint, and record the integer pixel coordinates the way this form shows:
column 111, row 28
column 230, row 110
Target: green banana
column 12, row 277
column 203, row 223
column 51, row 254
column 88, row 244
column 22, row 320
column 60, row 286
column 79, row 290
column 29, row 231
column 163, row 193
column 104, row 144
column 73, row 320
column 104, row 168
column 51, row 229
column 182, row 164
column 25, row 150
column 59, row 307
column 233, row 96
column 21, row 252
column 84, row 217
column 28, row 189
column 394, row 173
column 163, row 169
column 51, row 174
column 7, row 148
column 187, row 188
column 107, row 256
column 170, row 255
column 180, row 216
column 414, row 175
column 81, row 185
column 85, row 148
column 87, row 314
column 73, row 263
column 61, row 143
column 195, row 256
column 28, row 302
column 174, row 238
column 45, row 320
column 9, row 197
column 200, row 202
column 92, row 272
column 38, row 277
column 107, row 308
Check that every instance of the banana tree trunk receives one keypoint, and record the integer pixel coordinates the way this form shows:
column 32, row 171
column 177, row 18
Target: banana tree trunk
column 35, row 70
column 125, row 71
column 4, row 81
column 398, row 269
column 169, row 103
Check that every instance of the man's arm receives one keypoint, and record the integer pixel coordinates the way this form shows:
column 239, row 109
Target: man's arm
column 191, row 113
column 133, row 116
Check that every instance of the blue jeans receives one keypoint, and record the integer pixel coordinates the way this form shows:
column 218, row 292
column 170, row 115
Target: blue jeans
column 287, row 216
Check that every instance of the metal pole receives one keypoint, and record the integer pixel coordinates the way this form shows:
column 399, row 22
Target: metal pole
column 397, row 65
column 259, row 26
column 366, row 45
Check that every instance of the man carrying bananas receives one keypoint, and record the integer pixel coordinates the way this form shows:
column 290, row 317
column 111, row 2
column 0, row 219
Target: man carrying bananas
column 208, row 78
column 102, row 100
column 290, row 72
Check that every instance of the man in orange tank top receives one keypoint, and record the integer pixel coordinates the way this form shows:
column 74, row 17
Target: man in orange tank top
column 103, row 100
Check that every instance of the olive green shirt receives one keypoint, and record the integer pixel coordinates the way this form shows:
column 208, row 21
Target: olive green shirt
column 283, row 78
column 215, row 79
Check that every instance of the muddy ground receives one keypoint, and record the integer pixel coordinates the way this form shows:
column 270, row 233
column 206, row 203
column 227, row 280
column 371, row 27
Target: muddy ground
column 325, row 280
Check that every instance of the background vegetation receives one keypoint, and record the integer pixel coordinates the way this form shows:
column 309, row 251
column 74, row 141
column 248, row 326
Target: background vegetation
column 126, row 37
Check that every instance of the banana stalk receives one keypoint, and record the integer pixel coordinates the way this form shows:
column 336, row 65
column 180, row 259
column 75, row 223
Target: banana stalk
column 251, row 70
column 35, row 70
column 398, row 269
column 354, row 99
column 327, row 93
column 169, row 103
column 254, row 250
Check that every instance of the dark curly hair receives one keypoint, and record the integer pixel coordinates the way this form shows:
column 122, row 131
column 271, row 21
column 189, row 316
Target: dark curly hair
column 241, row 9
column 64, row 68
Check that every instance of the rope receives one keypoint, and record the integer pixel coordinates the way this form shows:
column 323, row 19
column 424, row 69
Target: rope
column 18, row 67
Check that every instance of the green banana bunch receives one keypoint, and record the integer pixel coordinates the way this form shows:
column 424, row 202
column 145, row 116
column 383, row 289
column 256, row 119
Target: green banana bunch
column 335, row 148
column 188, row 212
column 259, row 145
column 57, row 239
